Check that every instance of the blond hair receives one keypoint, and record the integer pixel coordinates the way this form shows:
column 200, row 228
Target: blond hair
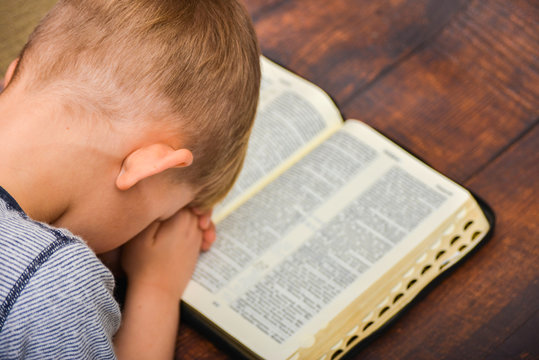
column 195, row 59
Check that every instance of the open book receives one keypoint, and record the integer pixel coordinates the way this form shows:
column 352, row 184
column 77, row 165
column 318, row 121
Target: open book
column 330, row 230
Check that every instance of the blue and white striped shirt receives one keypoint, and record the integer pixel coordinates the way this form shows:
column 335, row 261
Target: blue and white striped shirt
column 56, row 298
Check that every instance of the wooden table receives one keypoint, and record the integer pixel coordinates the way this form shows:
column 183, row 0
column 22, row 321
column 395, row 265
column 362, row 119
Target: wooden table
column 457, row 83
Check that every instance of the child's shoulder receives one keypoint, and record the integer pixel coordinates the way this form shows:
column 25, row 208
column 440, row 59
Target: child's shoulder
column 27, row 245
column 52, row 288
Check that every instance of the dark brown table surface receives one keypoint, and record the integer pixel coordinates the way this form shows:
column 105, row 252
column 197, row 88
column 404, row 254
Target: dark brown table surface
column 457, row 83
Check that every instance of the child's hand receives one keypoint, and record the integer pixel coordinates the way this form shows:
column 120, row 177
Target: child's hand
column 163, row 256
column 208, row 228
column 159, row 263
column 111, row 259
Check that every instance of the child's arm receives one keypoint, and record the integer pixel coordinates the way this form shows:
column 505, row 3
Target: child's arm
column 159, row 263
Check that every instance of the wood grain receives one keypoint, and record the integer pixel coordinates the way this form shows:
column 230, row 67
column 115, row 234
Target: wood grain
column 456, row 83
column 343, row 45
column 465, row 95
column 473, row 312
column 191, row 344
column 261, row 8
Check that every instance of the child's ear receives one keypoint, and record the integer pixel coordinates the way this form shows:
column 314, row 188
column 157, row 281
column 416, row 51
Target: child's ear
column 10, row 71
column 150, row 160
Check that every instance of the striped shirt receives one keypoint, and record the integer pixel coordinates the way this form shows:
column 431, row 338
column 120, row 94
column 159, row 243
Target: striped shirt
column 56, row 297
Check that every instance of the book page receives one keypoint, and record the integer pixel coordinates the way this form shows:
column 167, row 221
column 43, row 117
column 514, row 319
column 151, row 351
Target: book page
column 293, row 117
column 295, row 254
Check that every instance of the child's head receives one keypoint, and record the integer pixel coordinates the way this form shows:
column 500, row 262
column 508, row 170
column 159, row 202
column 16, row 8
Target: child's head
column 173, row 81
column 190, row 68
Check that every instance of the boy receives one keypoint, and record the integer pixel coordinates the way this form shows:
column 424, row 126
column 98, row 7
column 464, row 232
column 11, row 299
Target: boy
column 119, row 118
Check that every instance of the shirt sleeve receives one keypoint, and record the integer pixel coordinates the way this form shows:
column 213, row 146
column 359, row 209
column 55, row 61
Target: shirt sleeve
column 66, row 311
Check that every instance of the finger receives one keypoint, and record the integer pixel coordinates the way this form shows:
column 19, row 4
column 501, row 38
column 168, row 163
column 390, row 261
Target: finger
column 204, row 217
column 208, row 238
column 204, row 222
column 205, row 246
column 210, row 234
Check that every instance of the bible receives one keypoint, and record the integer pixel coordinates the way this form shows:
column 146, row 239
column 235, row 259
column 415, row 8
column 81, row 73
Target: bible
column 329, row 232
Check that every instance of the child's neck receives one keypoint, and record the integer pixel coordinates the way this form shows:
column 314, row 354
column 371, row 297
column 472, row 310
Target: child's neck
column 28, row 148
column 49, row 160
